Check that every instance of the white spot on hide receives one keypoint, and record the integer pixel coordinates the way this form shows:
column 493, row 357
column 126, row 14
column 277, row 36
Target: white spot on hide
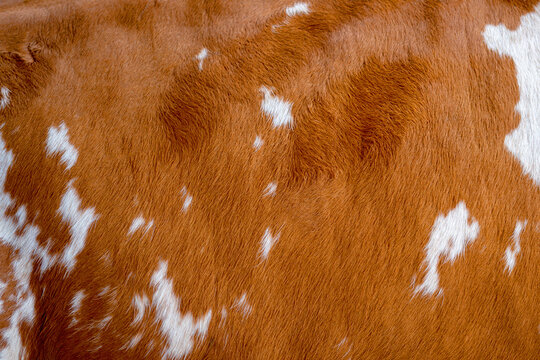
column 178, row 330
column 58, row 143
column 79, row 221
column 104, row 291
column 104, row 322
column 187, row 202
column 25, row 312
column 275, row 27
column 22, row 239
column 258, row 143
column 201, row 56
column 139, row 303
column 342, row 344
column 242, row 305
column 133, row 342
column 223, row 316
column 267, row 242
column 297, row 9
column 148, row 226
column 449, row 237
column 137, row 223
column 5, row 98
column 512, row 251
column 276, row 108
column 270, row 190
column 76, row 303
column 187, row 199
column 523, row 46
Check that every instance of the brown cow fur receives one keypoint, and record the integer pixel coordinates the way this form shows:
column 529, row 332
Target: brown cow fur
column 400, row 113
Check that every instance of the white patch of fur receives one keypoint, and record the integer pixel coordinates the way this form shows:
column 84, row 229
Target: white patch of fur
column 270, row 190
column 449, row 237
column 4, row 102
column 523, row 46
column 104, row 291
column 27, row 242
column 267, row 242
column 187, row 203
column 512, row 251
column 223, row 316
column 79, row 221
column 258, row 143
column 76, row 303
column 201, row 56
column 342, row 344
column 25, row 312
column 187, row 199
column 58, row 143
column 276, row 108
column 139, row 303
column 22, row 239
column 242, row 305
column 298, row 8
column 104, row 322
column 149, row 226
column 275, row 27
column 133, row 342
column 178, row 329
column 137, row 223
column 46, row 260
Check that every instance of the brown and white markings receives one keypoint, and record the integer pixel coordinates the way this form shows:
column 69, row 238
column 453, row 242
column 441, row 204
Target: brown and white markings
column 270, row 179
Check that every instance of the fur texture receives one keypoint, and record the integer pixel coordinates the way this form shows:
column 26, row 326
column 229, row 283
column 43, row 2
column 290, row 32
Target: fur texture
column 260, row 179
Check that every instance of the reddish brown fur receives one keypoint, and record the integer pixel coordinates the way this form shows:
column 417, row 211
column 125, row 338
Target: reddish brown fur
column 400, row 112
